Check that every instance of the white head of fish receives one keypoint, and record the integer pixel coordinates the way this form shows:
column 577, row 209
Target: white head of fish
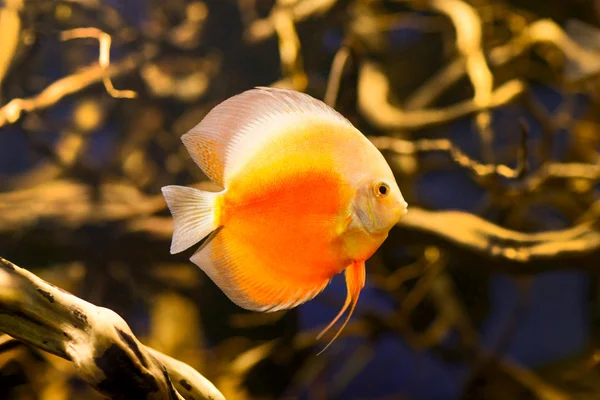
column 379, row 204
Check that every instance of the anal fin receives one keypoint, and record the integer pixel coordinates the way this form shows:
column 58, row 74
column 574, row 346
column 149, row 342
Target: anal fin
column 251, row 279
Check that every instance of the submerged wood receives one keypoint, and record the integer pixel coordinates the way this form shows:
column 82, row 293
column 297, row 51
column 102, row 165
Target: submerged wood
column 99, row 343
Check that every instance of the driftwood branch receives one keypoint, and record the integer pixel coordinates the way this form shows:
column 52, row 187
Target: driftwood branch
column 101, row 72
column 479, row 170
column 11, row 112
column 470, row 236
column 264, row 28
column 530, row 183
column 289, row 49
column 468, row 26
column 104, row 41
column 470, row 60
column 10, row 29
column 73, row 205
column 374, row 86
column 72, row 208
column 373, row 101
column 584, row 61
column 98, row 342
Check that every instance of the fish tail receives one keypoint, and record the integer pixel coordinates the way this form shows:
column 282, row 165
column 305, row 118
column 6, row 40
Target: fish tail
column 355, row 281
column 195, row 215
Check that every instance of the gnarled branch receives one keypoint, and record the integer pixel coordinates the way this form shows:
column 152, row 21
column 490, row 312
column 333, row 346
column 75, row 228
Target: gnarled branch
column 473, row 237
column 104, row 40
column 99, row 343
column 373, row 102
column 469, row 235
column 262, row 29
column 103, row 71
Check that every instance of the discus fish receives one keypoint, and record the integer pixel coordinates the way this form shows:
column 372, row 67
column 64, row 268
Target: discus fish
column 305, row 196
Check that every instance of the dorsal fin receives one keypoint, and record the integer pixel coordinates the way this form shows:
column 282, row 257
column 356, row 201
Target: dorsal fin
column 235, row 130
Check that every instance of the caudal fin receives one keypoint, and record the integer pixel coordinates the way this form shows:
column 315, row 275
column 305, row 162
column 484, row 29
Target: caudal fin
column 194, row 215
column 355, row 281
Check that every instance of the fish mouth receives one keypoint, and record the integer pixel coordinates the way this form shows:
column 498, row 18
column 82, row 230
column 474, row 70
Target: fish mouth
column 400, row 209
column 403, row 208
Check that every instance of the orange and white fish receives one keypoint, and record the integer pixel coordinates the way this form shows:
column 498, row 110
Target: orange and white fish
column 305, row 196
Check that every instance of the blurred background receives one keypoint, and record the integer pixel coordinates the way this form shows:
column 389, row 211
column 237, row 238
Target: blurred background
column 487, row 111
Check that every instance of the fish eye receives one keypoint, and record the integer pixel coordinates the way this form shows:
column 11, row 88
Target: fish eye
column 382, row 189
